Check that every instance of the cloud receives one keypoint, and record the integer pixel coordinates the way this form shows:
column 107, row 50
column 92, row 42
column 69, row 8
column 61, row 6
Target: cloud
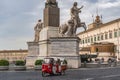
column 38, row 9
column 108, row 4
column 18, row 17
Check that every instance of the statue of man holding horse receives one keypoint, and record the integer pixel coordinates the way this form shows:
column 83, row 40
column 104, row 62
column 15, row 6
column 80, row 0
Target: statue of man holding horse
column 70, row 28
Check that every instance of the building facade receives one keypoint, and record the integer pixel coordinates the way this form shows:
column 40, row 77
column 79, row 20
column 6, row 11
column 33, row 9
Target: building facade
column 98, row 32
column 13, row 55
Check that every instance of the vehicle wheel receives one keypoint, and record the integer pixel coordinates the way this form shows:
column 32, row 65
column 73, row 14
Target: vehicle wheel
column 43, row 74
column 60, row 73
column 51, row 74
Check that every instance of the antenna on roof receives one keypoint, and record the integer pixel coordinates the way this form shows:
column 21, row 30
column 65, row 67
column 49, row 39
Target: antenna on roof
column 93, row 18
column 101, row 18
column 97, row 11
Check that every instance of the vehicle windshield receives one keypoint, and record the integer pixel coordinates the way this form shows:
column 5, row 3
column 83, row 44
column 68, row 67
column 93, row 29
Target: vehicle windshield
column 48, row 61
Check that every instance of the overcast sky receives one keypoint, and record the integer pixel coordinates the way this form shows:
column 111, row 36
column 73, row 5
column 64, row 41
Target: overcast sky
column 18, row 17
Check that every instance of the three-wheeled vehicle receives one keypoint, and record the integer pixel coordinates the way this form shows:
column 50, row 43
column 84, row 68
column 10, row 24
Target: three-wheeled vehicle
column 52, row 67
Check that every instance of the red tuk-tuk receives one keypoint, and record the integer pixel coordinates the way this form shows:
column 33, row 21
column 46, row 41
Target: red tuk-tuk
column 52, row 67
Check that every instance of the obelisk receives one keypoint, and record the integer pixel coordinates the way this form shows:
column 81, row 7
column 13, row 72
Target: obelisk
column 51, row 24
column 51, row 14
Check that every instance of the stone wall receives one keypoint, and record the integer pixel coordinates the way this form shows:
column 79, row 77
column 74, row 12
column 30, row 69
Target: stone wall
column 33, row 52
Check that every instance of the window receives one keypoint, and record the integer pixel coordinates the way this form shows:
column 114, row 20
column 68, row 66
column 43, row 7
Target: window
column 88, row 40
column 85, row 40
column 106, row 36
column 110, row 35
column 98, row 38
column 102, row 37
column 91, row 39
column 94, row 38
column 115, row 34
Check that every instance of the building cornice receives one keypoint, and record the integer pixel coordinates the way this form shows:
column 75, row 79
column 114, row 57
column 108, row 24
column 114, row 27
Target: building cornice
column 102, row 25
column 6, row 51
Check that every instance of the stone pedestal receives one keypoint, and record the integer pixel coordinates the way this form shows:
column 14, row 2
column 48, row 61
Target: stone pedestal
column 33, row 52
column 44, row 43
column 68, row 48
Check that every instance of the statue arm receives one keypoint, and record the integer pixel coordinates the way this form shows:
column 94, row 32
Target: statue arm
column 80, row 7
column 71, row 10
column 35, row 27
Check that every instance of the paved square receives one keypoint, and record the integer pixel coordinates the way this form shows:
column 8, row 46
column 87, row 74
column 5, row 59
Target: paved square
column 76, row 74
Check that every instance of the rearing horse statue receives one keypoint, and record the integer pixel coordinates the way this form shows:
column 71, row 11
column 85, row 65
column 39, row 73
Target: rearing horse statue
column 67, row 30
column 73, row 23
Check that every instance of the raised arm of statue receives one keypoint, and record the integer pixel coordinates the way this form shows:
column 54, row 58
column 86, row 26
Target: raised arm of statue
column 80, row 7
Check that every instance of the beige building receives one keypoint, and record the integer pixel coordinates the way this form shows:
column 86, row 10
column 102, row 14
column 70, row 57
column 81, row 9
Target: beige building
column 13, row 55
column 104, row 35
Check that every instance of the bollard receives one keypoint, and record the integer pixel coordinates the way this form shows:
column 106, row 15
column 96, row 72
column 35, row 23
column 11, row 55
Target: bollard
column 85, row 64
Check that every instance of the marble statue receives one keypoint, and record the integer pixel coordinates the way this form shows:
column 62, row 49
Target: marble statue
column 63, row 29
column 37, row 29
column 74, row 11
column 69, row 30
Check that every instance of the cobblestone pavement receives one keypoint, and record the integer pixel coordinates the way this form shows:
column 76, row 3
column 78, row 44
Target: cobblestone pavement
column 74, row 74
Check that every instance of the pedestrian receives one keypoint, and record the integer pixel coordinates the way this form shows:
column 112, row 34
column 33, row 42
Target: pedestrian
column 109, row 62
column 102, row 60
